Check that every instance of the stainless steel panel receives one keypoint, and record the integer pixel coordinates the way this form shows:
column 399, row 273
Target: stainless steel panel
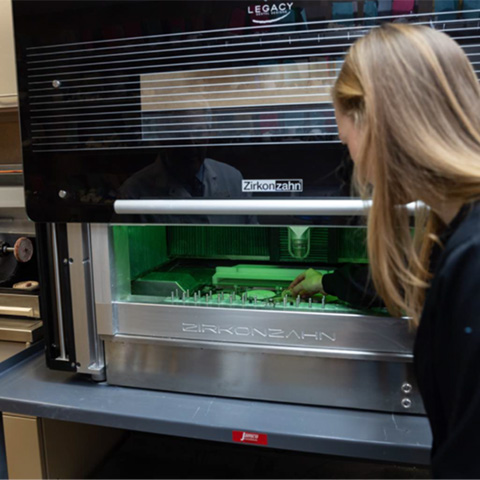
column 19, row 305
column 326, row 352
column 103, row 279
column 88, row 346
column 276, row 375
column 268, row 327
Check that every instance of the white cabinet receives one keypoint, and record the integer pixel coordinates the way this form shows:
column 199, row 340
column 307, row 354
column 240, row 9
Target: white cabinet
column 8, row 79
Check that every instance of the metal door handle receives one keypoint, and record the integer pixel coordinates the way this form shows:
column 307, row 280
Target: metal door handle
column 291, row 206
column 23, row 311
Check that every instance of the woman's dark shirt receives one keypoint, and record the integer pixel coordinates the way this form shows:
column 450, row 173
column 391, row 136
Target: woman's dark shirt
column 447, row 346
column 447, row 349
column 352, row 284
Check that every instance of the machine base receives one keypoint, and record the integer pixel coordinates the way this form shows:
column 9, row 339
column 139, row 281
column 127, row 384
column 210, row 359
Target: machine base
column 282, row 374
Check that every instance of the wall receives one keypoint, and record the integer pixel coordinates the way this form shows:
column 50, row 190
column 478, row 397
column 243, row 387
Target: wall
column 10, row 151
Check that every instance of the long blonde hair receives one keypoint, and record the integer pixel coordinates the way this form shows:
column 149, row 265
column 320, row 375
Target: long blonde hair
column 416, row 100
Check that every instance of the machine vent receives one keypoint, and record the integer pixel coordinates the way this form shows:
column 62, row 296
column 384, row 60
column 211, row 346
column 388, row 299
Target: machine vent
column 260, row 85
column 328, row 245
column 218, row 242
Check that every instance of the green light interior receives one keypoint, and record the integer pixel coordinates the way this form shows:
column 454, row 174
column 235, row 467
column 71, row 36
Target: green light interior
column 195, row 264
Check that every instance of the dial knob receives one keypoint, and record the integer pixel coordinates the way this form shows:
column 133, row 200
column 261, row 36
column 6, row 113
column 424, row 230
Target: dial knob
column 23, row 249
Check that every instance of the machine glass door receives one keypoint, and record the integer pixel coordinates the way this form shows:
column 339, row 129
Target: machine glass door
column 231, row 284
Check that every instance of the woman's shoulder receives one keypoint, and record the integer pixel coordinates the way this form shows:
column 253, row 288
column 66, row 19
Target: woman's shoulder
column 467, row 233
column 457, row 276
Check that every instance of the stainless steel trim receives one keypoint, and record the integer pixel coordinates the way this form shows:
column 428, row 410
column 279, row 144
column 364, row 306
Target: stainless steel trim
column 19, row 305
column 185, row 65
column 97, row 345
column 164, row 132
column 138, row 125
column 103, row 279
column 182, row 64
column 78, row 295
column 350, row 354
column 291, row 206
column 224, row 45
column 190, row 102
column 182, row 95
column 198, row 137
column 22, row 311
column 91, row 149
column 15, row 330
column 58, row 297
column 88, row 347
column 179, row 87
column 303, row 329
column 139, row 119
column 187, row 106
column 342, row 23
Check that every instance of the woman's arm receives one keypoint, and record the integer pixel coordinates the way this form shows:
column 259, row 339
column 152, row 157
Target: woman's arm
column 350, row 283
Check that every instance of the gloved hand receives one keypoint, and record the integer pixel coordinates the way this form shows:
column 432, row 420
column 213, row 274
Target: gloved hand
column 307, row 284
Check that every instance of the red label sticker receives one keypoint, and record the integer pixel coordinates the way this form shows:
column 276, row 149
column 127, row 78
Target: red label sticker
column 250, row 437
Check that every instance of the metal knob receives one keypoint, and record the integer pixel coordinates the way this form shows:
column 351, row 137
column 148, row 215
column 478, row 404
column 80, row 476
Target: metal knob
column 56, row 84
column 407, row 388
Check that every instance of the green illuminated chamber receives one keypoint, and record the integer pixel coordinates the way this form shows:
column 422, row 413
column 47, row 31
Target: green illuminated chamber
column 236, row 267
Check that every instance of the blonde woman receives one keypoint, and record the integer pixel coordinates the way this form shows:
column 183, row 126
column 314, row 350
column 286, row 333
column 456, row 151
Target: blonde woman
column 407, row 103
